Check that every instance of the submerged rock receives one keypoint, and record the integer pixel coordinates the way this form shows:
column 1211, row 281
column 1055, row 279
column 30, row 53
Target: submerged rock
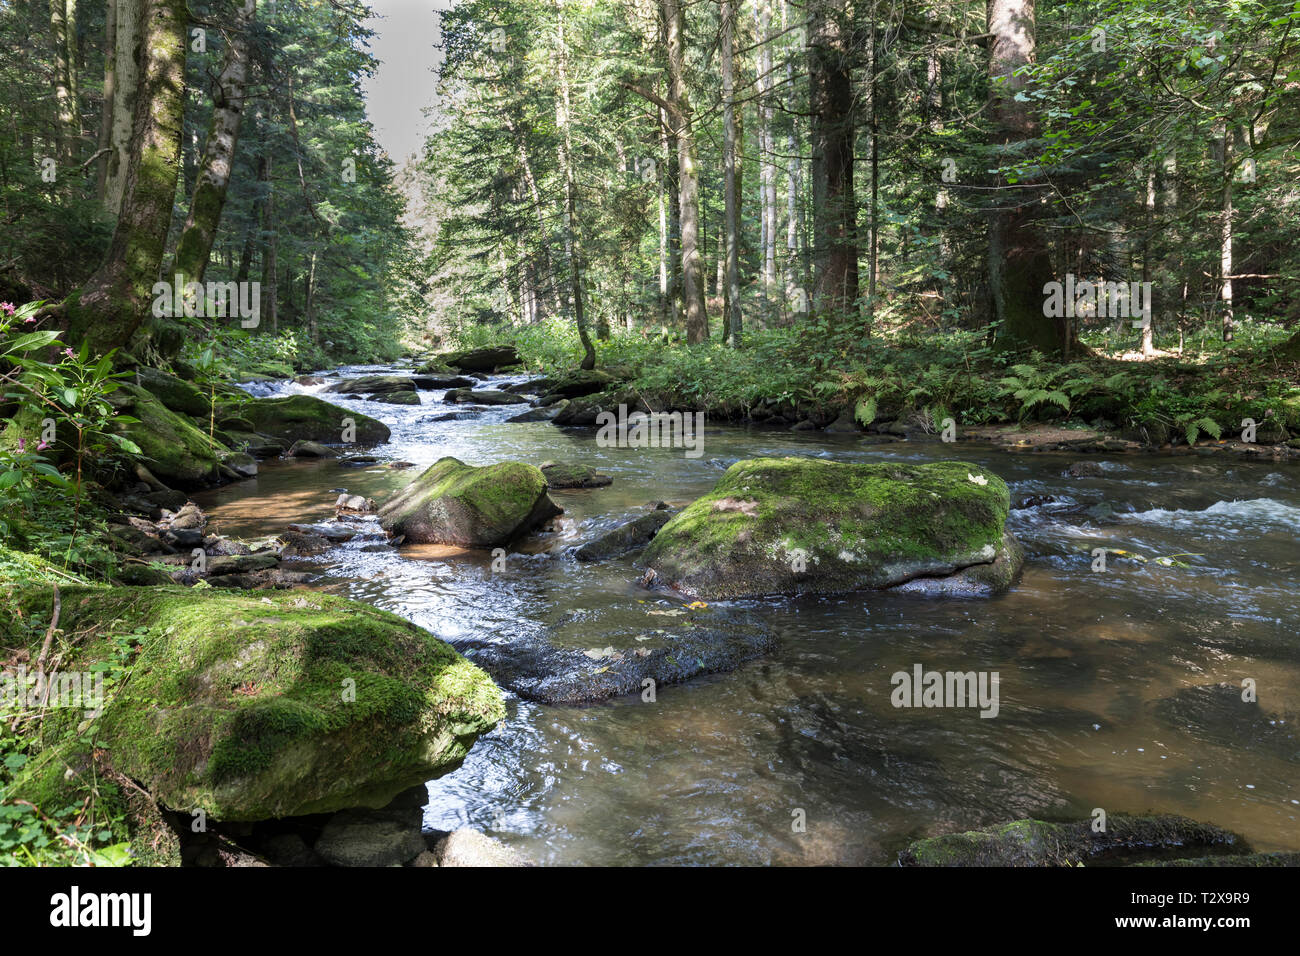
column 542, row 670
column 1216, row 714
column 466, row 847
column 567, row 475
column 791, row 525
column 396, row 398
column 311, row 449
column 434, row 382
column 455, row 503
column 624, row 539
column 482, row 396
column 374, row 384
column 536, row 414
column 1039, row 843
column 280, row 704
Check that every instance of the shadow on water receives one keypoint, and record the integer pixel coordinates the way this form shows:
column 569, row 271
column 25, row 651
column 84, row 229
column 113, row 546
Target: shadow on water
column 1107, row 685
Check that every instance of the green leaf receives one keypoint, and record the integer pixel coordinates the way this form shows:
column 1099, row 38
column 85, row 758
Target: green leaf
column 30, row 341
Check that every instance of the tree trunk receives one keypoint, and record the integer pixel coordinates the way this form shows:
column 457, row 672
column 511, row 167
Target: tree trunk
column 213, row 179
column 65, row 110
column 767, row 146
column 1148, row 328
column 572, row 248
column 126, row 83
column 1018, row 261
column 792, row 193
column 1225, row 237
column 835, row 248
column 104, row 146
column 697, row 319
column 114, row 301
column 731, row 322
column 270, row 265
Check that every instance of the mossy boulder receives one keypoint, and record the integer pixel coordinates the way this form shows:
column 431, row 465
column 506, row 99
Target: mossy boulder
column 396, row 398
column 791, row 525
column 585, row 412
column 259, row 707
column 176, row 394
column 1040, row 843
column 480, row 360
column 482, row 396
column 175, row 449
column 294, row 417
column 573, row 475
column 455, row 503
column 577, row 384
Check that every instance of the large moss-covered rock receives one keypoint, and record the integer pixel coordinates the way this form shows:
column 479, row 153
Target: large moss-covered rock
column 481, row 360
column 256, row 707
column 294, row 417
column 178, row 395
column 790, row 525
column 174, row 448
column 577, row 384
column 1040, row 843
column 456, row 503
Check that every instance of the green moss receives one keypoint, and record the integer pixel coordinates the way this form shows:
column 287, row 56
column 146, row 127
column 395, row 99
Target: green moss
column 455, row 503
column 174, row 448
column 850, row 526
column 253, row 707
column 304, row 417
column 1041, row 843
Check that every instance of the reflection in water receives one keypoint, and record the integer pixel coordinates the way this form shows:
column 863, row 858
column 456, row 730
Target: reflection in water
column 1096, row 668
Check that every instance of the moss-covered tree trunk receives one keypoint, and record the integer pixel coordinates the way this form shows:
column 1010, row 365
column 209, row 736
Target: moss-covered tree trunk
column 116, row 300
column 213, row 180
column 1019, row 264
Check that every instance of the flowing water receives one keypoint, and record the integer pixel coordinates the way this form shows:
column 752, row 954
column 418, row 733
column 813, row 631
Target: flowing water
column 1098, row 670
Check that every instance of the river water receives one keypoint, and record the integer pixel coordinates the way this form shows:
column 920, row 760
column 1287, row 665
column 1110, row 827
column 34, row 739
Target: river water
column 1105, row 677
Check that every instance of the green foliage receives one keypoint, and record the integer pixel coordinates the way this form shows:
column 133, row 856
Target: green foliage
column 62, row 416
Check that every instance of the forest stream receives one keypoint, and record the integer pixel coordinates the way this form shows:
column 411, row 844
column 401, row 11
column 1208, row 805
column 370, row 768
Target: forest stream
column 1106, row 678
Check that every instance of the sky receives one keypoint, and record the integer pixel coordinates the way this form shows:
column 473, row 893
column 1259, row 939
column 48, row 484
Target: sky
column 404, row 84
